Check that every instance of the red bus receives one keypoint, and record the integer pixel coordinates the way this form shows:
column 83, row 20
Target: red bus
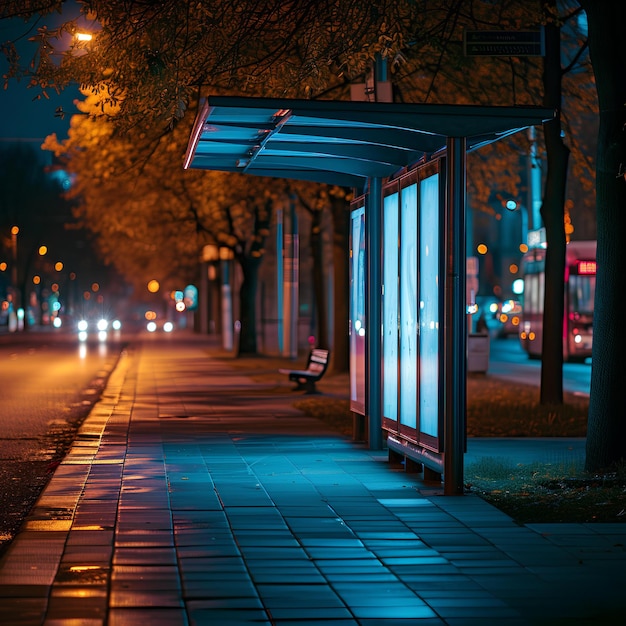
column 580, row 286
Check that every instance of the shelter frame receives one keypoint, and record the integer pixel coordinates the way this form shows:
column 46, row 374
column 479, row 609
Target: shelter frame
column 362, row 145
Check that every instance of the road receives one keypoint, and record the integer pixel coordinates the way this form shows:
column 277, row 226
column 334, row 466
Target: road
column 508, row 360
column 49, row 384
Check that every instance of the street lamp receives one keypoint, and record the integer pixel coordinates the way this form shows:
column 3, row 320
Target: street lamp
column 14, row 280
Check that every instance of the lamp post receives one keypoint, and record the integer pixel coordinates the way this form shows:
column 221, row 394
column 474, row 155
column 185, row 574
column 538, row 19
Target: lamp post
column 14, row 231
column 15, row 325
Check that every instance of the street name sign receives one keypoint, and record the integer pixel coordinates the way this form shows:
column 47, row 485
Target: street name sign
column 514, row 43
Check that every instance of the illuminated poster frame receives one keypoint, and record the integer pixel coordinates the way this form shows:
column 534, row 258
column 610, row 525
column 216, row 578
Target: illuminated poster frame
column 357, row 324
column 390, row 279
column 413, row 307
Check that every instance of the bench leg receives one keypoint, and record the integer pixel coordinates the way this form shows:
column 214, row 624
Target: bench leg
column 310, row 386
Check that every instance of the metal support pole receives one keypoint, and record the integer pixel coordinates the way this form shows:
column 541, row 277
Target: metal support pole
column 15, row 321
column 203, row 300
column 455, row 336
column 534, row 183
column 227, row 306
column 291, row 277
column 373, row 314
column 280, row 297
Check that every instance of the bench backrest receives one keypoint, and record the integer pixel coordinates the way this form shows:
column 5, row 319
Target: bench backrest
column 318, row 360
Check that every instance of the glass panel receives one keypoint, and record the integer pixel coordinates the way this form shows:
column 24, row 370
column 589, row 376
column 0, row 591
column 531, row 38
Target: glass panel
column 582, row 290
column 408, row 306
column 390, row 307
column 357, row 311
column 429, row 306
column 541, row 290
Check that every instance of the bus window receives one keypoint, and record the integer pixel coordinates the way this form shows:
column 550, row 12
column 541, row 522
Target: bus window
column 581, row 290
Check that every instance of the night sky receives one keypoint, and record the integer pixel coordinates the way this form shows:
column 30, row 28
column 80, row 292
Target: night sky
column 23, row 117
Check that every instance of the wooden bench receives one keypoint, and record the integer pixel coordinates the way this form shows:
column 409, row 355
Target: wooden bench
column 316, row 366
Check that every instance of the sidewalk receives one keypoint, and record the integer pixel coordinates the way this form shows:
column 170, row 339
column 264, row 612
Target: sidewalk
column 196, row 494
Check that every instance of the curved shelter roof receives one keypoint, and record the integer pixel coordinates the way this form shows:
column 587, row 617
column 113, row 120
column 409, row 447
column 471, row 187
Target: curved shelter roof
column 339, row 142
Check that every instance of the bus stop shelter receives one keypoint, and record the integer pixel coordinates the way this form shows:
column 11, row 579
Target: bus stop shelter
column 407, row 166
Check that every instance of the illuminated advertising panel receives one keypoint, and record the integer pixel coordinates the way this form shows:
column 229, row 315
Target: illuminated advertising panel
column 412, row 308
column 429, row 314
column 408, row 306
column 390, row 307
column 357, row 326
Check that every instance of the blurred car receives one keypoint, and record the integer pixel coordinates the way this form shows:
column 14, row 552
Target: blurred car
column 497, row 318
column 165, row 326
column 510, row 317
column 99, row 329
column 484, row 314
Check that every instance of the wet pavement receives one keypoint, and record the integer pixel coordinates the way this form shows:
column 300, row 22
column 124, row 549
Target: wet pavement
column 195, row 493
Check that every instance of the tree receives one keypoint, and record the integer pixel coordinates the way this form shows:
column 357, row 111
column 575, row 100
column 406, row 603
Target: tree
column 481, row 83
column 552, row 213
column 148, row 61
column 151, row 59
column 606, row 429
column 152, row 225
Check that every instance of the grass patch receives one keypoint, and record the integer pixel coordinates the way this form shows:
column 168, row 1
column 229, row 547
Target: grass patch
column 539, row 492
column 332, row 411
column 497, row 408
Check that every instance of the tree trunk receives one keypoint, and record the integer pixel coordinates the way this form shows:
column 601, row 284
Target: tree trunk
column 553, row 215
column 248, row 308
column 250, row 261
column 341, row 292
column 606, row 425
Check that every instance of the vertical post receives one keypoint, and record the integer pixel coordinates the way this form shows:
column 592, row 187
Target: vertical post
column 14, row 320
column 455, row 336
column 203, row 303
column 280, row 251
column 227, row 300
column 373, row 315
column 524, row 215
column 214, row 324
column 14, row 274
column 291, row 278
column 16, row 299
column 534, row 183
column 208, row 300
